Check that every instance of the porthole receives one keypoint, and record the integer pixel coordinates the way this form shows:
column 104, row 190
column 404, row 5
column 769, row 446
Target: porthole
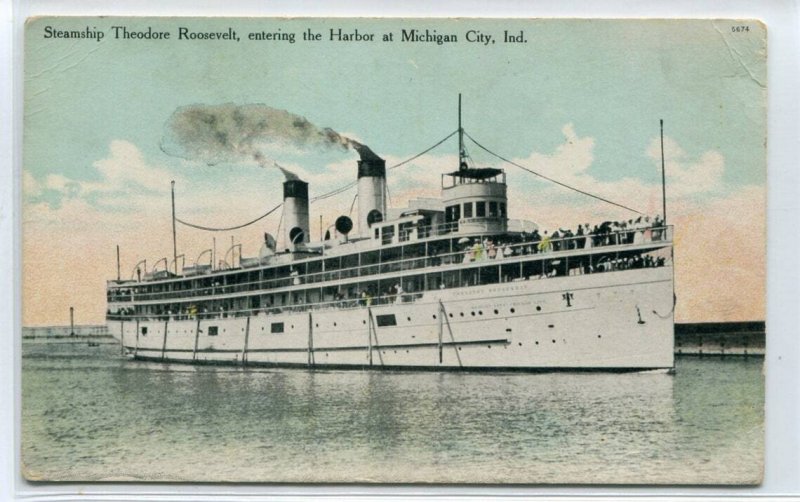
column 488, row 346
column 334, row 324
column 554, row 341
column 451, row 315
column 409, row 319
column 292, row 326
column 512, row 310
column 364, row 322
column 538, row 308
column 496, row 311
column 462, row 314
column 406, row 351
column 537, row 343
column 551, row 326
column 459, row 348
column 599, row 336
column 480, row 312
column 520, row 344
column 434, row 316
column 473, row 313
column 316, row 325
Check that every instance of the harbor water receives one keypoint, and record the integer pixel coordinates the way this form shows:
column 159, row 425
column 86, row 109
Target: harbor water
column 90, row 415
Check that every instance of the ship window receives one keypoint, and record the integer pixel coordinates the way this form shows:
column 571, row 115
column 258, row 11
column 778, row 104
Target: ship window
column 493, row 209
column 213, row 331
column 502, row 209
column 468, row 210
column 144, row 330
column 377, row 232
column 386, row 320
column 277, row 327
column 480, row 209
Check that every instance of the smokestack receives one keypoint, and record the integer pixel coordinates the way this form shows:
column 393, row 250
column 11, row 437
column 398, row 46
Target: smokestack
column 371, row 191
column 295, row 212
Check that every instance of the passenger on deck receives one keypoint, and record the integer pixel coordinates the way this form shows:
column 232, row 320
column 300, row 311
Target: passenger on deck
column 535, row 240
column 544, row 245
column 556, row 244
column 581, row 240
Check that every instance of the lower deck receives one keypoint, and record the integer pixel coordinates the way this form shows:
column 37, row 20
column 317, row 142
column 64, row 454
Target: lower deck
column 621, row 321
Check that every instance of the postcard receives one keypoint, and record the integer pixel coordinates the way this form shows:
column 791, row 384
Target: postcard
column 356, row 250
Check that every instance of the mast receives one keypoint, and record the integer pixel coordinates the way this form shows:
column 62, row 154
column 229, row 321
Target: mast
column 461, row 164
column 174, row 241
column 663, row 177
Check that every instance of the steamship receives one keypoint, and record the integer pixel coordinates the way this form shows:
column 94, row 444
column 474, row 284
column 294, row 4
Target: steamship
column 445, row 284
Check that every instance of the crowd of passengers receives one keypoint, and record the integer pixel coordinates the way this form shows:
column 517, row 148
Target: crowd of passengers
column 608, row 233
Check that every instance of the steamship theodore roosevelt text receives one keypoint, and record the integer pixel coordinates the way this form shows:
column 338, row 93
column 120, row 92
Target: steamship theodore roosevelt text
column 447, row 285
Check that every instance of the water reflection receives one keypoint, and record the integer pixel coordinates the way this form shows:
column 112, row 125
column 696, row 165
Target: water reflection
column 93, row 417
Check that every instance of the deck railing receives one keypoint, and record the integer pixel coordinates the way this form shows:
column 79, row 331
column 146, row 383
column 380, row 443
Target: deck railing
column 472, row 251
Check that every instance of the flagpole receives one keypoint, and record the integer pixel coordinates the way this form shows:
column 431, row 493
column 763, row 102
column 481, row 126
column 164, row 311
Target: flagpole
column 663, row 176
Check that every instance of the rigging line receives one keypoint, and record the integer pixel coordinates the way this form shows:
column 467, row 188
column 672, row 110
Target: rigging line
column 225, row 229
column 549, row 179
column 420, row 154
column 333, row 192
column 350, row 185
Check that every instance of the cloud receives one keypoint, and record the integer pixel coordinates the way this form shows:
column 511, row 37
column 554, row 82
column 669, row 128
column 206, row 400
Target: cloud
column 68, row 247
column 686, row 176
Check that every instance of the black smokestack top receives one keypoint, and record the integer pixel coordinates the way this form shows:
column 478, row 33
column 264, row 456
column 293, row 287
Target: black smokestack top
column 373, row 167
column 233, row 133
column 295, row 188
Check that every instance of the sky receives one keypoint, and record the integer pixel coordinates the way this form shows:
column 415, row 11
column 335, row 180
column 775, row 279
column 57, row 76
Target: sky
column 580, row 101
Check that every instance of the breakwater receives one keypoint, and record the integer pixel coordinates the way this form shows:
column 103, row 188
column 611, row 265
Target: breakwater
column 721, row 338
column 697, row 339
column 78, row 332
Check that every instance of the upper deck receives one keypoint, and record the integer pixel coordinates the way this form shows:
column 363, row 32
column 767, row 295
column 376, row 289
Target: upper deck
column 421, row 265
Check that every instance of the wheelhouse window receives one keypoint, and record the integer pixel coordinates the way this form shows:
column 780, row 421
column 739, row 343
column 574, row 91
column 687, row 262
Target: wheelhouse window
column 493, row 209
column 480, row 209
column 276, row 328
column 452, row 213
column 468, row 210
column 387, row 234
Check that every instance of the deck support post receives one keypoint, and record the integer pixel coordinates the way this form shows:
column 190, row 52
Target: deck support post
column 311, row 361
column 136, row 347
column 196, row 338
column 441, row 328
column 369, row 334
column 122, row 338
column 246, row 341
column 450, row 330
column 164, row 345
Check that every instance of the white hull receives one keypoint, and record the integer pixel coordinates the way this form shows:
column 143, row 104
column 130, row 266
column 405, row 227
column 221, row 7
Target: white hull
column 621, row 321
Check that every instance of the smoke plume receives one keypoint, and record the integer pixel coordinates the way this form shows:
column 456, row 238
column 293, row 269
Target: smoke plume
column 233, row 133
